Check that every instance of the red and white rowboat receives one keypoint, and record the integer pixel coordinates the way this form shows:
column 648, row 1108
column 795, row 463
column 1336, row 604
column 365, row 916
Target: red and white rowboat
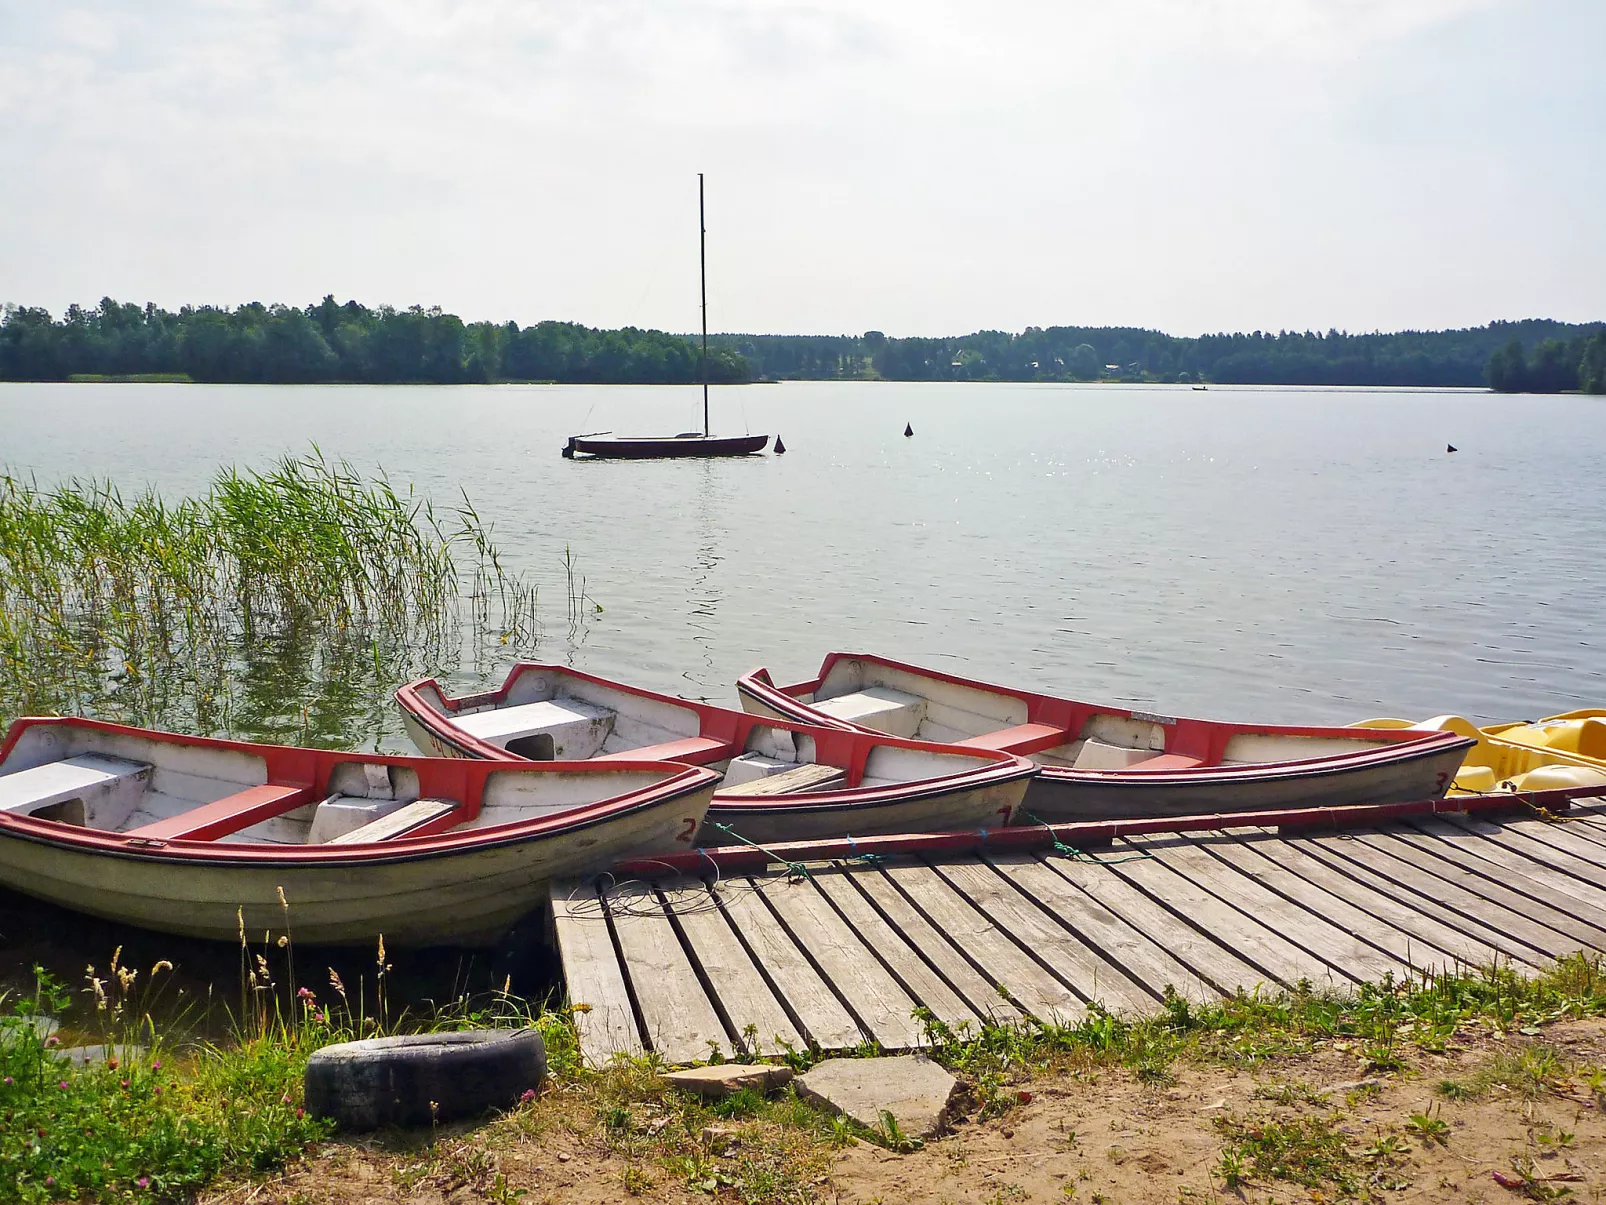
column 782, row 781
column 199, row 837
column 1108, row 762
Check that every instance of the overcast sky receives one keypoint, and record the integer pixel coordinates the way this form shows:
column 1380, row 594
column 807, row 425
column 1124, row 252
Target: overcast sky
column 915, row 166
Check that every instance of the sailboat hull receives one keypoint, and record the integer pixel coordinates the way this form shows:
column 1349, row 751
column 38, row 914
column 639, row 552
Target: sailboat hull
column 658, row 447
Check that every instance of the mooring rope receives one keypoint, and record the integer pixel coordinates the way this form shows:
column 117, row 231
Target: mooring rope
column 1077, row 855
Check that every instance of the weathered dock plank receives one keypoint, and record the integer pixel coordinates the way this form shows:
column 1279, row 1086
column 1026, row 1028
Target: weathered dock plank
column 982, row 994
column 1279, row 959
column 1412, row 922
column 810, row 1001
column 1210, row 964
column 678, row 1020
column 1407, row 950
column 1080, row 968
column 894, row 951
column 852, row 951
column 736, row 987
column 1091, row 923
column 604, row 1018
column 989, row 948
column 881, row 1007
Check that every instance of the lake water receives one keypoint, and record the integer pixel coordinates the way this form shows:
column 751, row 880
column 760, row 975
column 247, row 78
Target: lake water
column 1271, row 554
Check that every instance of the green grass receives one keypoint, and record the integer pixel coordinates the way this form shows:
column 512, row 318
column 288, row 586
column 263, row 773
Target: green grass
column 190, row 1113
column 282, row 604
column 1252, row 1029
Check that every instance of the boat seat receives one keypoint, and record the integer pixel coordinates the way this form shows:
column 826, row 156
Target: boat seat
column 695, row 749
column 1100, row 755
column 408, row 821
column 1167, row 761
column 574, row 729
column 227, row 815
column 811, row 777
column 894, row 712
column 86, row 778
column 1022, row 739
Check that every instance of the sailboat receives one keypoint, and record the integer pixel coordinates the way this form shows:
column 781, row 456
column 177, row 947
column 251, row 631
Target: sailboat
column 605, row 444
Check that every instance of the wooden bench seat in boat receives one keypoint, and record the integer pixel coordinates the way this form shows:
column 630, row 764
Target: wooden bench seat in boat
column 1022, row 739
column 227, row 815
column 810, row 777
column 405, row 821
column 894, row 712
column 82, row 778
column 570, row 726
column 693, row 748
column 1167, row 761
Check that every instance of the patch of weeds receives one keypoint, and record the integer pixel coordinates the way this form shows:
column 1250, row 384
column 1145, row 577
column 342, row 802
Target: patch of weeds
column 743, row 1103
column 1430, row 1127
column 636, row 1180
column 1296, row 1092
column 1453, row 1089
column 1529, row 1072
column 891, row 1135
column 1308, row 1151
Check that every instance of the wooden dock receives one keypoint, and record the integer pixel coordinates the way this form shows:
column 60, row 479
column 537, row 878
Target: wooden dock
column 845, row 954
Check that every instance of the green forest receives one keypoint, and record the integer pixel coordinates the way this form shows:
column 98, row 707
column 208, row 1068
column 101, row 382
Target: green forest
column 350, row 342
column 344, row 343
column 1470, row 358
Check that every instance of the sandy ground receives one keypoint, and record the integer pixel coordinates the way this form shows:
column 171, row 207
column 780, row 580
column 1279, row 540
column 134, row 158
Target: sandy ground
column 1100, row 1137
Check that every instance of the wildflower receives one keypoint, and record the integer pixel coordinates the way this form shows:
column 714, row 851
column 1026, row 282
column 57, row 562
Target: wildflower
column 62, row 1085
column 300, row 1113
column 9, row 1081
column 143, row 1182
column 50, row 1181
column 156, row 1064
column 284, row 1100
column 306, row 993
column 123, row 1083
column 111, row 1064
column 527, row 1097
column 318, row 1016
column 52, row 1040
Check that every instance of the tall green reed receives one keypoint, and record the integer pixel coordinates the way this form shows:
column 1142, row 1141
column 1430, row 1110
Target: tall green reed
column 281, row 604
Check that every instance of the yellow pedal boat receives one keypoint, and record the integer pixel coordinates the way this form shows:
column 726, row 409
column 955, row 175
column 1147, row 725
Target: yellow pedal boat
column 1567, row 750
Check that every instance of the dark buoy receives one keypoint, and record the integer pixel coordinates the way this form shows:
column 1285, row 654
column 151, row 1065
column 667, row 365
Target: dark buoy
column 1449, row 447
column 908, row 429
column 780, row 448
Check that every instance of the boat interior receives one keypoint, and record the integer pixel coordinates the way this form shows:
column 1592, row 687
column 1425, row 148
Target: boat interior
column 902, row 702
column 160, row 790
column 547, row 714
column 1542, row 756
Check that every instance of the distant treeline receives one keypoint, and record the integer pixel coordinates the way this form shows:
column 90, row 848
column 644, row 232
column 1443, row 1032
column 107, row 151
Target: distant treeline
column 1076, row 353
column 1550, row 366
column 333, row 342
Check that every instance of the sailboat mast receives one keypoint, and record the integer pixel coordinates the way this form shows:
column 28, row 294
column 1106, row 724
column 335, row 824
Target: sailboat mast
column 702, row 266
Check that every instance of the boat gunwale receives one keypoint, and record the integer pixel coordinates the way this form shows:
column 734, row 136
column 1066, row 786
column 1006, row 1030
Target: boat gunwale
column 1002, row 766
column 1399, row 746
column 680, row 780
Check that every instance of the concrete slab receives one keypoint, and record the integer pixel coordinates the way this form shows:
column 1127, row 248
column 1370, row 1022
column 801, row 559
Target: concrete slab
column 917, row 1092
column 720, row 1081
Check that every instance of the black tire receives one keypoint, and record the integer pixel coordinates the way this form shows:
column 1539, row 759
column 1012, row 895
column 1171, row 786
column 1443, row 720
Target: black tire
column 423, row 1078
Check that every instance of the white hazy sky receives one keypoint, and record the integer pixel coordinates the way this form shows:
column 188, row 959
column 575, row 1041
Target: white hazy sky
column 917, row 166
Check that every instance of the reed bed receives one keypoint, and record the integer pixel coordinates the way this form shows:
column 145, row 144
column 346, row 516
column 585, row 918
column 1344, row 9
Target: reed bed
column 282, row 603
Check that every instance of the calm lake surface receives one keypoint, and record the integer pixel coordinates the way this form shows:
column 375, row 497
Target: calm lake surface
column 1274, row 554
